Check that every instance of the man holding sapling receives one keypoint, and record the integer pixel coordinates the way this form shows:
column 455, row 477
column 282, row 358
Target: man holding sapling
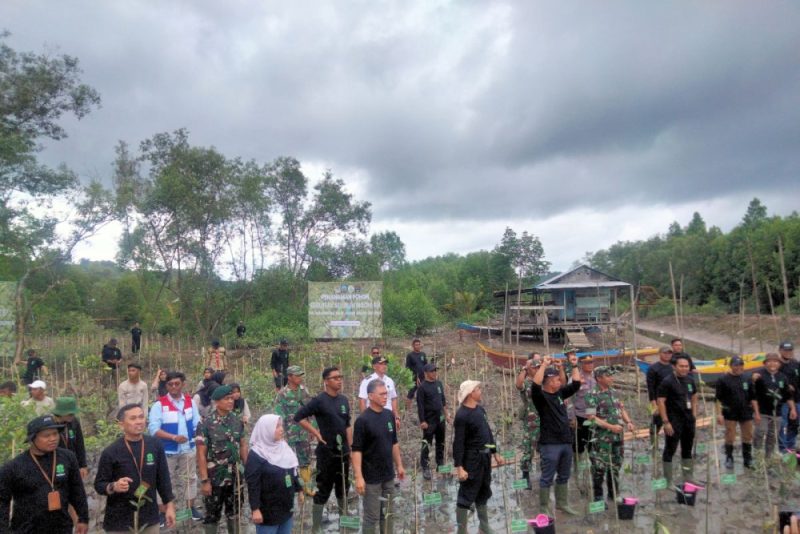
column 772, row 392
column 677, row 405
column 735, row 397
column 555, row 440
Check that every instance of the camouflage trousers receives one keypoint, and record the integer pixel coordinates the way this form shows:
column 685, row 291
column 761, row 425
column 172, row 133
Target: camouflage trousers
column 221, row 496
column 303, row 451
column 606, row 458
column 530, row 440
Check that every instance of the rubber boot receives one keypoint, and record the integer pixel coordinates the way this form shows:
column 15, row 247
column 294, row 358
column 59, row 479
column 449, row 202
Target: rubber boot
column 527, row 477
column 316, row 518
column 666, row 467
column 483, row 520
column 462, row 515
column 687, row 469
column 305, row 476
column 210, row 528
column 233, row 525
column 544, row 501
column 747, row 455
column 562, row 499
column 342, row 503
column 728, row 456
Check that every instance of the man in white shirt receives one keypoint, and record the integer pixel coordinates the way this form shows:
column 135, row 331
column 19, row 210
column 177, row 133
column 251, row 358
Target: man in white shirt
column 379, row 366
column 133, row 390
column 41, row 403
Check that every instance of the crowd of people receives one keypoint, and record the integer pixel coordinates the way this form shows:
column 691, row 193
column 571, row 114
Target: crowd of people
column 176, row 444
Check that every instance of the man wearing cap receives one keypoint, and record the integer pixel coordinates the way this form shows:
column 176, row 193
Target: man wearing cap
column 772, row 392
column 71, row 433
column 334, row 438
column 174, row 419
column 677, row 404
column 134, row 468
column 376, row 457
column 42, row 482
column 379, row 366
column 279, row 363
column 432, row 411
column 588, row 383
column 735, row 398
column 529, row 415
column 215, row 357
column 221, row 453
column 656, row 374
column 787, row 438
column 555, row 439
column 415, row 362
column 287, row 403
column 133, row 390
column 41, row 403
column 609, row 422
column 473, row 447
column 35, row 368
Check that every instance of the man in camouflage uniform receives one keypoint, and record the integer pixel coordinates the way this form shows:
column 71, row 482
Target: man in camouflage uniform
column 221, row 453
column 528, row 414
column 609, row 420
column 294, row 395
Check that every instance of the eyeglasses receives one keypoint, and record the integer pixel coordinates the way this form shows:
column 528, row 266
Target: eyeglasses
column 173, row 384
column 338, row 377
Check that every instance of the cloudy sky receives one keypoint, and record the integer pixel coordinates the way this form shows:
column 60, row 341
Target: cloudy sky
column 584, row 123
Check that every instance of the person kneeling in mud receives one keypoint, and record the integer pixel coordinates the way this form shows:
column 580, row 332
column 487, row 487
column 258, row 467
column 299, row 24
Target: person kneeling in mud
column 473, row 446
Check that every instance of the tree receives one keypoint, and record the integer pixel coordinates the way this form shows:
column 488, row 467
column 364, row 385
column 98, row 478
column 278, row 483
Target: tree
column 389, row 250
column 525, row 254
column 756, row 214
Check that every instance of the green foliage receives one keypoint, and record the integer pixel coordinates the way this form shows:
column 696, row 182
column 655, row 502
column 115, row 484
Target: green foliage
column 410, row 311
column 267, row 328
column 14, row 419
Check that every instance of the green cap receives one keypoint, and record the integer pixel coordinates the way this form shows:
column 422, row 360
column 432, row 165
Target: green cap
column 220, row 392
column 604, row 370
column 66, row 406
column 295, row 370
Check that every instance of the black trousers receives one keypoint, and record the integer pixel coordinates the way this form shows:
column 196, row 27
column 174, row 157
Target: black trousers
column 332, row 473
column 478, row 487
column 584, row 435
column 434, row 430
column 683, row 434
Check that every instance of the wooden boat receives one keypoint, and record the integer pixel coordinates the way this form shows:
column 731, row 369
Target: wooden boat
column 709, row 371
column 608, row 357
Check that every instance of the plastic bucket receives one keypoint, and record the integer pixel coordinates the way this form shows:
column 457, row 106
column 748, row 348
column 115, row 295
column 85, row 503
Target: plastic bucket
column 630, row 500
column 689, row 487
column 625, row 511
column 685, row 497
column 549, row 528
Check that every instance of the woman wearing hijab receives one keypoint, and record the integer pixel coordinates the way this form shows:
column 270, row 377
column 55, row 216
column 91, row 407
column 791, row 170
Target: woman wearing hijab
column 159, row 386
column 271, row 474
column 240, row 406
column 210, row 382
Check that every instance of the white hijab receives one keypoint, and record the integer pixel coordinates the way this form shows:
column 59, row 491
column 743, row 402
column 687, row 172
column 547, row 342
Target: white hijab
column 262, row 442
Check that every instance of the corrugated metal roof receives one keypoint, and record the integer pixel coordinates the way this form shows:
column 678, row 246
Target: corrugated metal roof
column 581, row 285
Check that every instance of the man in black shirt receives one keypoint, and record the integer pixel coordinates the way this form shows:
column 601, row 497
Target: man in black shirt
column 677, row 348
column 375, row 449
column 772, row 392
column 136, row 338
column 240, row 329
column 655, row 375
column 787, row 438
column 735, row 398
column 677, row 405
column 131, row 468
column 331, row 409
column 71, row 435
column 473, row 446
column 280, row 363
column 42, row 482
column 415, row 362
column 555, row 439
column 431, row 407
column 35, row 368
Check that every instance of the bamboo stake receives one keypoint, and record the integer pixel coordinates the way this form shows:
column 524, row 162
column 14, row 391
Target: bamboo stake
column 519, row 303
column 786, row 306
column 772, row 311
column 755, row 295
column 674, row 300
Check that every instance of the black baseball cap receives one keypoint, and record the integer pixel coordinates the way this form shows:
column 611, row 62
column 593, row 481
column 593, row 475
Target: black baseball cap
column 786, row 345
column 736, row 360
column 43, row 422
column 379, row 359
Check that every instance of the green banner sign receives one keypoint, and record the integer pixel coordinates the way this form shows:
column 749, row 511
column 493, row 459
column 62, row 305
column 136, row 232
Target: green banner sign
column 345, row 310
column 7, row 319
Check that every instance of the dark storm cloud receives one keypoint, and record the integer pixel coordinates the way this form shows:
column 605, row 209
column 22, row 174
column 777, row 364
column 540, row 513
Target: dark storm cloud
column 452, row 110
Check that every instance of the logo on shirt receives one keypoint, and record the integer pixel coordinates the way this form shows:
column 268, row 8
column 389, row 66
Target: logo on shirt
column 150, row 459
column 60, row 470
column 343, row 408
column 689, row 387
column 439, row 389
column 745, row 386
column 71, row 434
column 780, row 383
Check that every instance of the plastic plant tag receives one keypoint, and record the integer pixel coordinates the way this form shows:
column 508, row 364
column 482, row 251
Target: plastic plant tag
column 701, row 448
column 596, row 507
column 183, row 515
column 519, row 525
column 349, row 521
column 520, row 484
column 508, row 455
column 729, row 478
column 659, row 484
column 445, row 469
column 643, row 459
column 431, row 499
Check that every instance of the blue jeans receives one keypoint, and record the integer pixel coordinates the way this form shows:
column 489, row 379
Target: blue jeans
column 283, row 528
column 787, row 437
column 555, row 459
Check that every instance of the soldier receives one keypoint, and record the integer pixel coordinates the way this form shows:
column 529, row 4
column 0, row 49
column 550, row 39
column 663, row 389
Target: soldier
column 586, row 366
column 221, row 454
column 529, row 415
column 288, row 401
column 606, row 410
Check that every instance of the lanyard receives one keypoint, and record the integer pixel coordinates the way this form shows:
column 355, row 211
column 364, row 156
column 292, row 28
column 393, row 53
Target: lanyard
column 140, row 463
column 65, row 437
column 51, row 479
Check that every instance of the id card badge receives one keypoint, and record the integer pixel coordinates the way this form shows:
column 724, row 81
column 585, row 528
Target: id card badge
column 288, row 481
column 53, row 501
column 141, row 490
column 688, row 405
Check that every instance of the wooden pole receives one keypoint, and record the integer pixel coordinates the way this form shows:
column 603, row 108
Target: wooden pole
column 741, row 315
column 674, row 300
column 505, row 316
column 786, row 305
column 635, row 353
column 519, row 303
column 755, row 296
column 772, row 310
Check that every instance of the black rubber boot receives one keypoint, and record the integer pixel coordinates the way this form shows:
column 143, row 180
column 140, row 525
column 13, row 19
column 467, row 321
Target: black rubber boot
column 747, row 455
column 462, row 515
column 728, row 456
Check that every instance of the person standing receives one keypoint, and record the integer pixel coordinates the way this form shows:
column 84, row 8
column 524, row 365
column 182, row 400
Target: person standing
column 415, row 362
column 279, row 363
column 656, row 374
column 555, row 440
column 735, row 398
column 71, row 434
column 174, row 419
column 35, row 369
column 215, row 358
column 473, row 447
column 41, row 403
column 136, row 338
column 376, row 453
column 221, row 453
column 111, row 354
column 588, row 383
column 432, row 411
column 159, row 386
column 240, row 406
column 529, row 415
column 38, row 485
column 287, row 403
column 334, row 439
column 131, row 468
column 787, row 437
column 271, row 474
column 379, row 366
column 772, row 392
column 677, row 348
column 133, row 390
column 677, row 405
column 609, row 421
column 241, row 330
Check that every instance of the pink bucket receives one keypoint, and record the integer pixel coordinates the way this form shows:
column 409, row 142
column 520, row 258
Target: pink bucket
column 688, row 487
column 541, row 520
column 630, row 500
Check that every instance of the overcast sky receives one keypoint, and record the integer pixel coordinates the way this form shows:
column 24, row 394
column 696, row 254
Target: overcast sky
column 584, row 123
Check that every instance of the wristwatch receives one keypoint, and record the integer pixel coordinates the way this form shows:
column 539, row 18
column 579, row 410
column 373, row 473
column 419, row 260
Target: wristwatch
column 204, row 481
